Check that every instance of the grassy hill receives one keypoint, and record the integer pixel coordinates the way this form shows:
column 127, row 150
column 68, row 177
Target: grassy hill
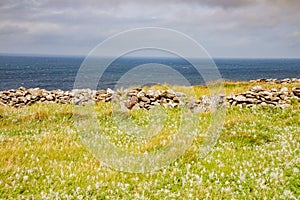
column 256, row 156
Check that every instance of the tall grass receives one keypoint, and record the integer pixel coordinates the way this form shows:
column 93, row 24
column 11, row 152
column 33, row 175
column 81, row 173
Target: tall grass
column 256, row 156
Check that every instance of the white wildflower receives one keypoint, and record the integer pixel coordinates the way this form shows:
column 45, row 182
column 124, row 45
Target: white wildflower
column 295, row 170
column 25, row 178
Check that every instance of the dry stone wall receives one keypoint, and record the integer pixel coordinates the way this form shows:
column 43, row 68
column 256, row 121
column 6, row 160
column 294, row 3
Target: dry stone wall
column 146, row 99
column 276, row 81
column 257, row 95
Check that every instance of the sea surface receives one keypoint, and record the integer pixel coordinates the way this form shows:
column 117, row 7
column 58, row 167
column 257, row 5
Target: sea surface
column 60, row 72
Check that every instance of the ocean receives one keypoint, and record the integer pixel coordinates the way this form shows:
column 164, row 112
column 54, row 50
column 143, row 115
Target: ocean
column 51, row 73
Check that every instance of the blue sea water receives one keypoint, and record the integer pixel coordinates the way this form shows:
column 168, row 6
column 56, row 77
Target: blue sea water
column 60, row 72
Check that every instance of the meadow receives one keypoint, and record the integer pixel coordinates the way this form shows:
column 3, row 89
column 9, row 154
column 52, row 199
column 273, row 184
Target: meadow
column 257, row 156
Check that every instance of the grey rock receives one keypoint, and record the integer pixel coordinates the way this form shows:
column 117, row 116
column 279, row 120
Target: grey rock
column 145, row 99
column 150, row 93
column 131, row 102
column 264, row 104
column 296, row 91
column 284, row 90
column 110, row 91
column 240, row 98
column 49, row 97
column 141, row 94
column 257, row 89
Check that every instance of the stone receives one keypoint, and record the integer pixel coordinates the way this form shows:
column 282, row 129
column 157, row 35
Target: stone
column 176, row 99
column 22, row 100
column 274, row 90
column 21, row 88
column 275, row 99
column 138, row 89
column 192, row 103
column 141, row 94
column 240, row 98
column 34, row 97
column 283, row 90
column 135, row 107
column 100, row 92
column 5, row 93
column 257, row 89
column 147, row 106
column 264, row 104
column 19, row 93
column 35, row 92
column 252, row 100
column 14, row 99
column 142, row 104
column 296, row 91
column 168, row 94
column 266, row 93
column 286, row 80
column 49, row 97
column 150, row 93
column 109, row 91
column 283, row 97
column 155, row 103
column 163, row 100
column 173, row 105
column 130, row 103
column 145, row 99
column 249, row 95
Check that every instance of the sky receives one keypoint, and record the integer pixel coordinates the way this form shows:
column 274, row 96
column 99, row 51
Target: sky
column 225, row 28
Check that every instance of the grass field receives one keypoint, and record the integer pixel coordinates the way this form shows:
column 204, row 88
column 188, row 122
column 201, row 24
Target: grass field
column 257, row 156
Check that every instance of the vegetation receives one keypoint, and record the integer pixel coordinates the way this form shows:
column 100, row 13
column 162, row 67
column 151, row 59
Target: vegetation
column 256, row 156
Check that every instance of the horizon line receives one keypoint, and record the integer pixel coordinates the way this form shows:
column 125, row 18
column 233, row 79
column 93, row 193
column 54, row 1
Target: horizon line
column 142, row 56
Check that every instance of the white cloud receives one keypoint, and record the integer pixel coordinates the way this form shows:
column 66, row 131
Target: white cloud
column 225, row 27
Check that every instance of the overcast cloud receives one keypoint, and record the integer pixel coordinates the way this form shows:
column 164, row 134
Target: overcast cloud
column 226, row 28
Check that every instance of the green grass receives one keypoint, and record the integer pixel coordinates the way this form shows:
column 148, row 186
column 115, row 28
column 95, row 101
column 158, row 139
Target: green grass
column 256, row 157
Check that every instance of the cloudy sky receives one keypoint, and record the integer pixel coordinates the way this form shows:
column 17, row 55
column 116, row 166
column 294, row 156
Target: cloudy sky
column 226, row 28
